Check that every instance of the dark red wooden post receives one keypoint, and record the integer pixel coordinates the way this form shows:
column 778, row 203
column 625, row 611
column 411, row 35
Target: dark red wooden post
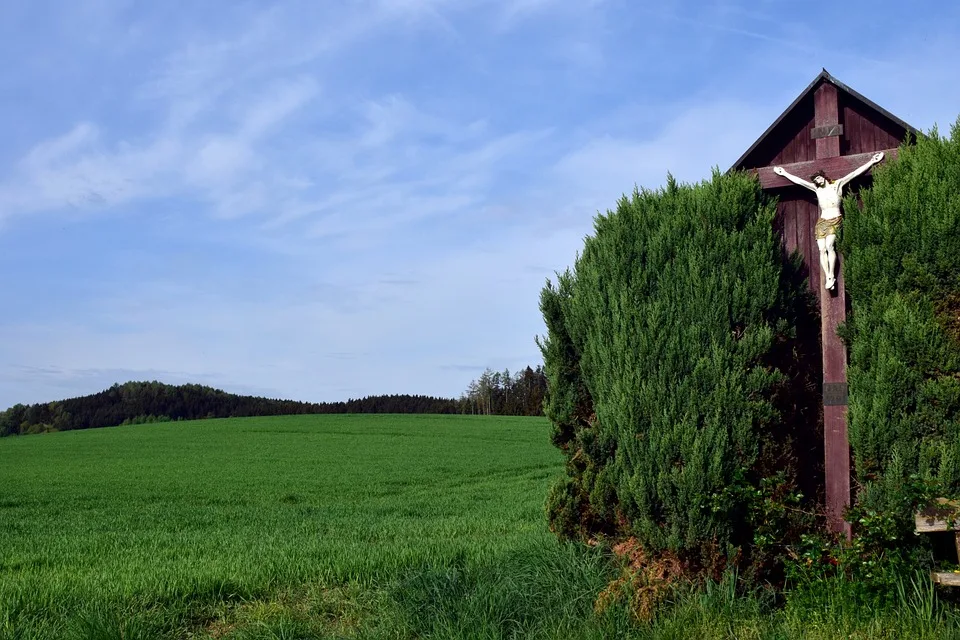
column 832, row 312
column 826, row 117
column 807, row 137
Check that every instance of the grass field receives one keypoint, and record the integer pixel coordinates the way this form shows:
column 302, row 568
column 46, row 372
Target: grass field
column 333, row 526
column 155, row 514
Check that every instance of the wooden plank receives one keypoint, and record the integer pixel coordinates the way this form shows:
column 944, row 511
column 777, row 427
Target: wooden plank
column 833, row 167
column 946, row 578
column 809, row 144
column 835, row 441
column 878, row 130
column 806, row 146
column 942, row 515
column 778, row 229
column 834, row 312
column 790, row 225
column 843, row 102
column 865, row 141
column 889, row 139
column 790, row 150
column 868, row 133
column 796, row 144
column 826, row 110
column 807, row 214
column 853, row 123
column 836, row 468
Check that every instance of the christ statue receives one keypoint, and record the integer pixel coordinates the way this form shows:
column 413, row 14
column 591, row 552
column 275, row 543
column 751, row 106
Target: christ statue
column 828, row 197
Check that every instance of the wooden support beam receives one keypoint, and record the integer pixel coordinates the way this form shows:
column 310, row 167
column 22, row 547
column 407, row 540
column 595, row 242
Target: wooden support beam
column 826, row 110
column 836, row 447
column 797, row 217
column 833, row 311
column 946, row 578
column 941, row 515
column 834, row 168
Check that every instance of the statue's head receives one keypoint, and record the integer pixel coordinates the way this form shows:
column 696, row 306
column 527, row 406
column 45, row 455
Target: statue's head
column 819, row 179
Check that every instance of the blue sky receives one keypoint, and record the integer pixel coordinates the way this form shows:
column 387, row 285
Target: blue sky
column 322, row 200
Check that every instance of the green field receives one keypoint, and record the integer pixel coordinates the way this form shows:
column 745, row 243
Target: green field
column 370, row 526
column 156, row 515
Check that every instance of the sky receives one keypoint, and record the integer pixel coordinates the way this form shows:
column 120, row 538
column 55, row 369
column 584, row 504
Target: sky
column 327, row 200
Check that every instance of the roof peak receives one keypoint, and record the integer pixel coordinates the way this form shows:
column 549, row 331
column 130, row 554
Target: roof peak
column 823, row 76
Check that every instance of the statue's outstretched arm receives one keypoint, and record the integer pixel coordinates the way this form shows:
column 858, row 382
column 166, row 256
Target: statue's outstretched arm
column 877, row 157
column 780, row 171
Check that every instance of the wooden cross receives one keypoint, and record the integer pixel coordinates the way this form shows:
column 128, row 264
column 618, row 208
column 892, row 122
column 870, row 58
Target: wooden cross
column 827, row 132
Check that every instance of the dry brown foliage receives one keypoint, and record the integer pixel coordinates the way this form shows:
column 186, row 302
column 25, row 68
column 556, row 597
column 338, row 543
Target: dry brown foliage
column 644, row 580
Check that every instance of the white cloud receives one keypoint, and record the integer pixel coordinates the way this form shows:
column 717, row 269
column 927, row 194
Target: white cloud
column 76, row 170
column 51, row 152
column 80, row 169
column 687, row 146
column 218, row 161
column 279, row 103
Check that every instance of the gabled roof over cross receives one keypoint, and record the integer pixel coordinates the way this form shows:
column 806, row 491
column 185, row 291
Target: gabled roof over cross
column 830, row 127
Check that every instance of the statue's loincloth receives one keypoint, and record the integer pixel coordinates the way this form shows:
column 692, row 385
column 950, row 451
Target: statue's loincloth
column 827, row 227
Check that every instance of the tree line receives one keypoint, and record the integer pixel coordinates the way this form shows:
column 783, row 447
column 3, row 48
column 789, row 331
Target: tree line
column 503, row 394
column 147, row 402
column 141, row 402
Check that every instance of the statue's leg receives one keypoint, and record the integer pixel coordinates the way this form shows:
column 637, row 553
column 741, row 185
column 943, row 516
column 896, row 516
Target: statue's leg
column 831, row 259
column 825, row 263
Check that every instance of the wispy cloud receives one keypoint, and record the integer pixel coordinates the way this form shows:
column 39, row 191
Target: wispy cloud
column 81, row 169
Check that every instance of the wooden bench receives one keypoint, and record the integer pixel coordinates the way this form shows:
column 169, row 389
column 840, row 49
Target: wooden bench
column 942, row 515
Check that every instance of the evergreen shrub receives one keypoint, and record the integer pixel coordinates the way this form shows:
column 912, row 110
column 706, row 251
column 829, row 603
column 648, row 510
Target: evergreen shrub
column 902, row 269
column 672, row 354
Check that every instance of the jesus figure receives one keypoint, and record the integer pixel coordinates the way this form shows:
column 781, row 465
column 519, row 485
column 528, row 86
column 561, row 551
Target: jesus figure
column 828, row 197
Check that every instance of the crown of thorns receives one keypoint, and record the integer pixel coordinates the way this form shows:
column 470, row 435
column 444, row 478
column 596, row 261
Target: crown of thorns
column 820, row 174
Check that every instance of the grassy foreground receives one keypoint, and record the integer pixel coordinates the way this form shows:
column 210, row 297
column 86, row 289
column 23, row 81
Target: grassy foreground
column 339, row 526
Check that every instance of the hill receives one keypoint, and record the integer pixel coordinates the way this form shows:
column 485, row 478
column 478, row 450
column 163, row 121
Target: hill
column 140, row 402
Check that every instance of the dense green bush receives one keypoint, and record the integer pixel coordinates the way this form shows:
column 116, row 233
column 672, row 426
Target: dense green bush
column 671, row 354
column 902, row 251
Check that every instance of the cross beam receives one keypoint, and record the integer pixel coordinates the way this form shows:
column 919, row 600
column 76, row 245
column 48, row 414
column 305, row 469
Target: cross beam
column 835, row 167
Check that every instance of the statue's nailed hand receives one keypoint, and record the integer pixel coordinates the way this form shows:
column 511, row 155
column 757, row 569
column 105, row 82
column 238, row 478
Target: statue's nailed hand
column 779, row 171
column 877, row 157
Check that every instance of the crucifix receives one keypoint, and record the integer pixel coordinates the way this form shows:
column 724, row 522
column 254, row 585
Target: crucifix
column 821, row 146
column 829, row 193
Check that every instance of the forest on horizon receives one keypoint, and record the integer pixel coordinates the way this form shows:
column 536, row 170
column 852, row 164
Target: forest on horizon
column 493, row 393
